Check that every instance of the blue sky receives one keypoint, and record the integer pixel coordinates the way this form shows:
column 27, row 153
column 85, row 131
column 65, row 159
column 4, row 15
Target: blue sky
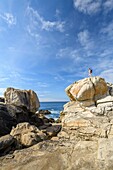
column 45, row 45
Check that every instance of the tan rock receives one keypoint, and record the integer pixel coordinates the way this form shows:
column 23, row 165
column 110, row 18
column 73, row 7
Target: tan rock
column 30, row 139
column 27, row 135
column 86, row 89
column 100, row 87
column 23, row 98
column 77, row 122
column 83, row 90
column 105, row 99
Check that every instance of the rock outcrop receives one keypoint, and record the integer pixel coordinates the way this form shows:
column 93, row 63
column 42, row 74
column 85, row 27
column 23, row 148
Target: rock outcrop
column 89, row 114
column 19, row 106
column 20, row 125
column 23, row 98
column 87, row 90
column 7, row 143
column 85, row 140
column 27, row 135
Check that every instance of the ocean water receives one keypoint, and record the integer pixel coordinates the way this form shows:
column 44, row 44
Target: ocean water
column 53, row 107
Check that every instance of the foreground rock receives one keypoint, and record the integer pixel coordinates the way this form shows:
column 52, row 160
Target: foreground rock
column 58, row 155
column 27, row 135
column 85, row 140
column 7, row 144
column 7, row 120
column 11, row 115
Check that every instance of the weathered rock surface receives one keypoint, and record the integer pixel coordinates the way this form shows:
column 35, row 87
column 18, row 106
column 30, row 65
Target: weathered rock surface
column 86, row 120
column 85, row 140
column 11, row 115
column 7, row 120
column 7, row 143
column 86, row 89
column 19, row 106
column 27, row 135
column 22, row 98
column 58, row 155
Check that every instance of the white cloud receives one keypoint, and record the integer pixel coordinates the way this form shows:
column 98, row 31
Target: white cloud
column 34, row 34
column 70, row 54
column 88, row 6
column 108, row 75
column 42, row 84
column 3, row 79
column 59, row 78
column 108, row 29
column 8, row 18
column 57, row 14
column 106, row 52
column 39, row 21
column 86, row 41
column 108, row 5
column 93, row 6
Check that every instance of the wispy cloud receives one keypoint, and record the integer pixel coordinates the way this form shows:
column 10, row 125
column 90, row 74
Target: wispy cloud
column 34, row 34
column 108, row 30
column 44, row 24
column 108, row 5
column 8, row 18
column 57, row 13
column 3, row 79
column 85, row 39
column 70, row 54
column 88, row 6
column 108, row 75
column 59, row 78
column 93, row 6
column 42, row 84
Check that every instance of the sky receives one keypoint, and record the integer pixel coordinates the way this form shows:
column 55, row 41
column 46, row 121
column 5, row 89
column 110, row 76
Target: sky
column 46, row 45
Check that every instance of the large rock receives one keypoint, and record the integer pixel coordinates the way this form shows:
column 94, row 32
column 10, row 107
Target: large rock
column 11, row 115
column 89, row 114
column 22, row 98
column 7, row 142
column 27, row 135
column 91, row 88
column 65, row 155
column 7, row 120
column 85, row 140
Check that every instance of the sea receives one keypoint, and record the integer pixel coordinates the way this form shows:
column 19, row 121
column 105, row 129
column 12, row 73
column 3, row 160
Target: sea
column 54, row 107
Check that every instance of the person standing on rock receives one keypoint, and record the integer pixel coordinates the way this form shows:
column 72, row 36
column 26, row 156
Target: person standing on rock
column 90, row 72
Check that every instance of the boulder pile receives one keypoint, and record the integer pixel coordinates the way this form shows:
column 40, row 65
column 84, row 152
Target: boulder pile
column 90, row 111
column 21, row 124
column 84, row 142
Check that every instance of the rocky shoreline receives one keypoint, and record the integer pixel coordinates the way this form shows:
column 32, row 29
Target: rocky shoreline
column 21, row 126
column 83, row 140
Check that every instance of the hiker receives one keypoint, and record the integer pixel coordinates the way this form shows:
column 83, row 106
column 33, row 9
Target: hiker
column 90, row 72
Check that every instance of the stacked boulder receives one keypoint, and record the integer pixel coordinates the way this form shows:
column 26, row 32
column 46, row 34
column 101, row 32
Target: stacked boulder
column 22, row 98
column 89, row 114
column 21, row 124
column 18, row 106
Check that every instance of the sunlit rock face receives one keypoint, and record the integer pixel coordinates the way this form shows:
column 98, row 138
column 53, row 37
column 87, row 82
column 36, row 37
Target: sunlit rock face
column 25, row 98
column 90, row 110
column 91, row 88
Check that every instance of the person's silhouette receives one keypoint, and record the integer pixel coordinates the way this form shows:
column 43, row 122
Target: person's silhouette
column 90, row 72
